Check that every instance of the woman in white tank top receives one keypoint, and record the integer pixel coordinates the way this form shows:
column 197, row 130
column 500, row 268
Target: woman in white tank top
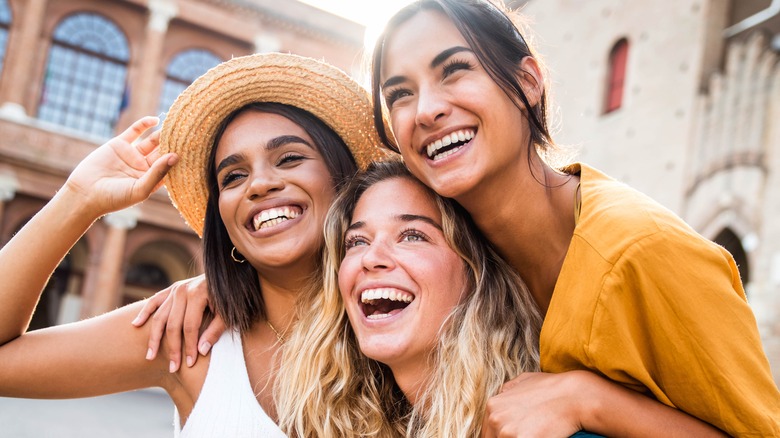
column 254, row 152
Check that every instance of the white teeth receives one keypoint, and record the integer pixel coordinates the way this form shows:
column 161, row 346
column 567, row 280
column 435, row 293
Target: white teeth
column 387, row 294
column 379, row 316
column 274, row 216
column 455, row 137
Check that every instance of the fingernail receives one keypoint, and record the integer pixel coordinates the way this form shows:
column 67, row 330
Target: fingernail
column 136, row 321
column 189, row 361
column 149, row 354
column 204, row 348
column 172, row 367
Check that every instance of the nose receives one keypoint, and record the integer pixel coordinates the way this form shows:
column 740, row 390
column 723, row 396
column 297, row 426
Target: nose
column 378, row 256
column 263, row 183
column 431, row 106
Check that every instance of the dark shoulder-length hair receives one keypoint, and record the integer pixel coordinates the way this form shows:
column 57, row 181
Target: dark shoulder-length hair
column 234, row 288
column 498, row 45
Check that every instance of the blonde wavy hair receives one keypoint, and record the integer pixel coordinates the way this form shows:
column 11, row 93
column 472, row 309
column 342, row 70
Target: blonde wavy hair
column 328, row 388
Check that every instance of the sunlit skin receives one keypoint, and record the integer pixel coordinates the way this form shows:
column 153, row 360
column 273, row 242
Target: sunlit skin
column 395, row 241
column 266, row 162
column 436, row 86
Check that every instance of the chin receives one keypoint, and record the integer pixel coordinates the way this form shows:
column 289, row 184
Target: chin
column 387, row 353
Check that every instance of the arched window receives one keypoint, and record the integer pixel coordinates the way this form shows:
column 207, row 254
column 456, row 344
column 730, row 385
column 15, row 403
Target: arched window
column 143, row 280
column 729, row 240
column 85, row 84
column 617, row 74
column 184, row 68
column 5, row 24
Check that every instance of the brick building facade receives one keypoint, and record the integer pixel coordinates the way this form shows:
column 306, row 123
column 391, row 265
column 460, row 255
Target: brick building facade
column 75, row 72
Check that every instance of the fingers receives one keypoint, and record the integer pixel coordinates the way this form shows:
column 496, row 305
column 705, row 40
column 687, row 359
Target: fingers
column 158, row 323
column 151, row 180
column 196, row 305
column 211, row 335
column 173, row 330
column 152, row 303
column 137, row 128
column 149, row 144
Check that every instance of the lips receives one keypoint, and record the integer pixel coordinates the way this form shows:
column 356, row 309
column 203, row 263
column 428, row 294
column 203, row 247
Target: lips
column 383, row 303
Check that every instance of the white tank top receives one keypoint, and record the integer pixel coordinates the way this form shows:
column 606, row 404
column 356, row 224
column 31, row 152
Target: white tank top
column 226, row 406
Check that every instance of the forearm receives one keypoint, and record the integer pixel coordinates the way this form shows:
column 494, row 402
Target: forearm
column 29, row 258
column 92, row 357
column 614, row 410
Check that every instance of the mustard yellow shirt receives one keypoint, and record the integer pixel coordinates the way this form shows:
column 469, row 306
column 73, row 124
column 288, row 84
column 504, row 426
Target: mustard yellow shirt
column 645, row 301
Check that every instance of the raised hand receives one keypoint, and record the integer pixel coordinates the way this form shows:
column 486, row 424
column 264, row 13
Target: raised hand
column 122, row 172
column 116, row 175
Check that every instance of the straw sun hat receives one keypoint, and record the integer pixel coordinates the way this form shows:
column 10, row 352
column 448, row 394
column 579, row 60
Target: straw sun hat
column 191, row 124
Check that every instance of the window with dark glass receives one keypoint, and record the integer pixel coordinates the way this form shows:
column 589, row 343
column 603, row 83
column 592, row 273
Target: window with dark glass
column 617, row 75
column 85, row 82
column 142, row 281
column 184, row 68
column 5, row 25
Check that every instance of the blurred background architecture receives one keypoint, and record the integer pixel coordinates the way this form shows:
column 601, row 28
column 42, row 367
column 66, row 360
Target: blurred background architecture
column 681, row 100
column 678, row 98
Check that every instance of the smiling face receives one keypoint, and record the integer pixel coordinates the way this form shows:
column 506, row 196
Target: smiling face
column 456, row 128
column 274, row 190
column 399, row 279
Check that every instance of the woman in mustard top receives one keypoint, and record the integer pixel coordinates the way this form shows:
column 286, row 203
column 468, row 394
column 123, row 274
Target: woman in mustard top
column 628, row 290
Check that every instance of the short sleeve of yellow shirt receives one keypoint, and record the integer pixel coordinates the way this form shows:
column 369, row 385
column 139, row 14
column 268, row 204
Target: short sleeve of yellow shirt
column 645, row 301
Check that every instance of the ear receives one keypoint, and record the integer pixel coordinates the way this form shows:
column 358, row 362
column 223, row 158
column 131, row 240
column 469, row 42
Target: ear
column 532, row 80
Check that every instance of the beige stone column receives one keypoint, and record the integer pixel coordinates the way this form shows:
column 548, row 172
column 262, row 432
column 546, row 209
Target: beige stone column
column 146, row 89
column 265, row 42
column 8, row 187
column 21, row 56
column 109, row 275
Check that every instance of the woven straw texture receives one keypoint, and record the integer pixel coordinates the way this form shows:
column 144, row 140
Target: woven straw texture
column 190, row 127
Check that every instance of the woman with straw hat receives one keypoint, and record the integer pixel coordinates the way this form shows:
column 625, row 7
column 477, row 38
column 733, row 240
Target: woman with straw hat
column 255, row 150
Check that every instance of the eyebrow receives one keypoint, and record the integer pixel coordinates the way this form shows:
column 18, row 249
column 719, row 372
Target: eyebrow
column 274, row 143
column 401, row 217
column 437, row 61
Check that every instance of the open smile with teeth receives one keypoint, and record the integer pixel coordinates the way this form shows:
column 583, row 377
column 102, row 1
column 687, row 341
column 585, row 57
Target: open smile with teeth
column 275, row 216
column 384, row 302
column 448, row 144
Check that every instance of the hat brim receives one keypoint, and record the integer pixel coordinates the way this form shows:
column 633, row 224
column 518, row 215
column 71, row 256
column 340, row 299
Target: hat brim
column 190, row 127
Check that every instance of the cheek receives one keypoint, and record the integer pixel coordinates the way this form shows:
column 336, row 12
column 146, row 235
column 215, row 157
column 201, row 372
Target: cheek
column 346, row 277
column 324, row 192
column 456, row 282
column 414, row 162
column 226, row 211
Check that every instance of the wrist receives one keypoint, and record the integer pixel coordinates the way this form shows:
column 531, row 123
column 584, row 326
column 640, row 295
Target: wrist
column 75, row 205
column 593, row 400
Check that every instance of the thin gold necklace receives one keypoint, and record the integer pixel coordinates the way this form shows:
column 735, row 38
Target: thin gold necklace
column 278, row 335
